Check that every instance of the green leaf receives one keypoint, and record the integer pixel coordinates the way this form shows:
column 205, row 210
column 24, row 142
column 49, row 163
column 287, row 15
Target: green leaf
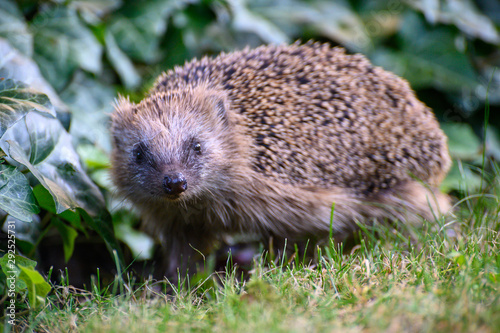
column 462, row 141
column 60, row 171
column 27, row 232
column 63, row 200
column 38, row 288
column 341, row 24
column 461, row 178
column 14, row 28
column 43, row 139
column 277, row 21
column 121, row 63
column 20, row 68
column 16, row 196
column 42, row 145
column 16, row 100
column 68, row 235
column 493, row 142
column 45, row 200
column 139, row 25
column 102, row 178
column 428, row 57
column 247, row 21
column 463, row 14
column 92, row 11
column 64, row 44
column 19, row 261
column 26, row 277
column 91, row 102
column 93, row 157
column 11, row 265
column 139, row 243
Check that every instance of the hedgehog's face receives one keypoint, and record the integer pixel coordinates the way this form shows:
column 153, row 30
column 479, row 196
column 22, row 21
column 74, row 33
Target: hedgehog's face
column 171, row 147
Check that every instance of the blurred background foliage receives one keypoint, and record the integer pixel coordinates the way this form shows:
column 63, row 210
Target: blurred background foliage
column 62, row 64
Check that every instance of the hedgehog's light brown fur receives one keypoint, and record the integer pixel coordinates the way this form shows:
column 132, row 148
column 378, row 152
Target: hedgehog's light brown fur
column 286, row 132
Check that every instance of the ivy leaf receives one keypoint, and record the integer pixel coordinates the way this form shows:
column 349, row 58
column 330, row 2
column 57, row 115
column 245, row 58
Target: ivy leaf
column 16, row 100
column 92, row 11
column 461, row 178
column 46, row 201
column 463, row 14
column 281, row 19
column 57, row 167
column 37, row 287
column 11, row 265
column 43, row 146
column 26, row 277
column 25, row 232
column 139, row 243
column 139, row 25
column 63, row 199
column 18, row 67
column 16, row 196
column 462, row 141
column 64, row 44
column 122, row 64
column 493, row 142
column 43, row 139
column 428, row 57
column 93, row 157
column 68, row 235
column 91, row 102
column 14, row 28
column 247, row 21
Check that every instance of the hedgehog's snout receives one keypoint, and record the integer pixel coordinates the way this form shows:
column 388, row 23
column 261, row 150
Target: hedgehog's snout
column 174, row 183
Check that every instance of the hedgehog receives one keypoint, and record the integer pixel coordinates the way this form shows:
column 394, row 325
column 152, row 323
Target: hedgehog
column 264, row 141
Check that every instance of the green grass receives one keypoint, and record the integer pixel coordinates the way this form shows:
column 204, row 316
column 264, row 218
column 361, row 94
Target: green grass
column 442, row 277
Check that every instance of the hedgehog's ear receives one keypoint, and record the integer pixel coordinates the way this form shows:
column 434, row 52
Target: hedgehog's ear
column 123, row 107
column 123, row 111
column 221, row 106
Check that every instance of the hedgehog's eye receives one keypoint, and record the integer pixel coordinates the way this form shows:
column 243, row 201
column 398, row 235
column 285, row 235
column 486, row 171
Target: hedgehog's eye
column 197, row 148
column 139, row 152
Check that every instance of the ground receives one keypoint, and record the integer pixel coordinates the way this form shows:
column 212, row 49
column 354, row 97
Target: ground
column 442, row 277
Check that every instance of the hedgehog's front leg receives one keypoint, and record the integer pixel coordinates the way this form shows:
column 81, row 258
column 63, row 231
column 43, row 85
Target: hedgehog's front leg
column 184, row 248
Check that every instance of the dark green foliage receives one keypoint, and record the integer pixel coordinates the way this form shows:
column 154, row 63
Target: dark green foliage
column 16, row 196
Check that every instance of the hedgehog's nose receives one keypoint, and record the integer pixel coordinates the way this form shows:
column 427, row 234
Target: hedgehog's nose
column 174, row 183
